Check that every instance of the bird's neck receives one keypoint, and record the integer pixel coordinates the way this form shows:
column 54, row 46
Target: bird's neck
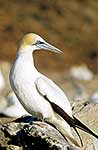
column 26, row 56
column 26, row 60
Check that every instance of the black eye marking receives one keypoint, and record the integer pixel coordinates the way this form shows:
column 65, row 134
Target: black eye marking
column 39, row 42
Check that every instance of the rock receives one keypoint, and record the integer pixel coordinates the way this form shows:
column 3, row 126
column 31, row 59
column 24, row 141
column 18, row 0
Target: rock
column 80, row 92
column 2, row 81
column 5, row 69
column 88, row 114
column 94, row 97
column 27, row 134
column 81, row 73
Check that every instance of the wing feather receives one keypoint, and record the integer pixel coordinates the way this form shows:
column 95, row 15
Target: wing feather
column 60, row 104
column 47, row 87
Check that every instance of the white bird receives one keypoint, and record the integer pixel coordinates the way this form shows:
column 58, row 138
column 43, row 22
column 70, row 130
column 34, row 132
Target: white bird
column 39, row 95
column 13, row 107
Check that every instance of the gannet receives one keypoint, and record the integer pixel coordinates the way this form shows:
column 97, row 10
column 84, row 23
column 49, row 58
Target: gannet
column 13, row 107
column 39, row 95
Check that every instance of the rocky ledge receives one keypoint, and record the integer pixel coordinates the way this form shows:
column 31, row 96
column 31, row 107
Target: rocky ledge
column 27, row 134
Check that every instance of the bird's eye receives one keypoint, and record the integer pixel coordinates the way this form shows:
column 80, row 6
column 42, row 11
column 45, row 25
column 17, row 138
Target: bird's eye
column 39, row 42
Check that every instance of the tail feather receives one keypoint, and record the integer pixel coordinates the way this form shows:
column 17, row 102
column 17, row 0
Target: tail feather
column 79, row 136
column 83, row 127
column 58, row 123
column 73, row 122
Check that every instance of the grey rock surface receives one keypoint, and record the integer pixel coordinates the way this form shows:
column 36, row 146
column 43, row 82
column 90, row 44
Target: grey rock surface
column 26, row 134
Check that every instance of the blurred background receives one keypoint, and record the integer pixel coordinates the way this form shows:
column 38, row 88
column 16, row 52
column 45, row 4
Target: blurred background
column 72, row 26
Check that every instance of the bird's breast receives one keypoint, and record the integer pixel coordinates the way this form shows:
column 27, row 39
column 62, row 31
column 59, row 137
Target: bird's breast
column 22, row 80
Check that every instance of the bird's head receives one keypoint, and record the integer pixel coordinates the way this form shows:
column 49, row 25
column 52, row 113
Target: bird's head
column 31, row 42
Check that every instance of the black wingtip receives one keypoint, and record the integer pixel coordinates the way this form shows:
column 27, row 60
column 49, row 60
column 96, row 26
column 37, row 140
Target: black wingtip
column 83, row 127
column 79, row 136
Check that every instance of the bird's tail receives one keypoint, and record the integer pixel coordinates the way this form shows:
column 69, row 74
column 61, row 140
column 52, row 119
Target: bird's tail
column 73, row 121
column 63, row 128
column 83, row 127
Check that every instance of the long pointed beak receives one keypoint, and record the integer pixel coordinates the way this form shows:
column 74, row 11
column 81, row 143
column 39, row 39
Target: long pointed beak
column 49, row 47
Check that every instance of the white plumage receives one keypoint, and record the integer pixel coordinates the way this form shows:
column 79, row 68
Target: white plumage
column 36, row 92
